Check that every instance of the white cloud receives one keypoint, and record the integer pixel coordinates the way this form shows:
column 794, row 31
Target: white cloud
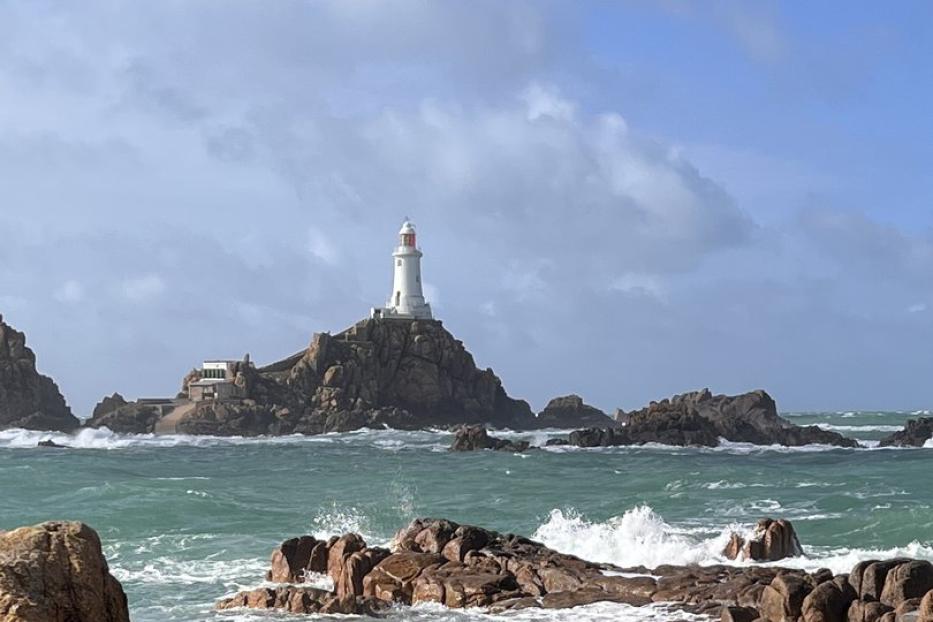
column 547, row 102
column 145, row 288
column 71, row 291
column 920, row 307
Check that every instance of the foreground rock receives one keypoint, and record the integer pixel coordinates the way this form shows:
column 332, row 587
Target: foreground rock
column 701, row 419
column 475, row 437
column 439, row 561
column 772, row 540
column 27, row 398
column 56, row 572
column 915, row 434
column 378, row 373
column 570, row 411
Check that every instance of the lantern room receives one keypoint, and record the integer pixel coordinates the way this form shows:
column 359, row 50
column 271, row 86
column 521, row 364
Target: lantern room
column 407, row 235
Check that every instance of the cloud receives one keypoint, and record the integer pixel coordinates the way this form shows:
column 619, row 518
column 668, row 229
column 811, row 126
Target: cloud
column 71, row 291
column 144, row 288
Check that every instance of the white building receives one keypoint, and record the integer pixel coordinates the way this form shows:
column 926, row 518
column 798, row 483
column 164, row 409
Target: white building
column 407, row 299
column 216, row 382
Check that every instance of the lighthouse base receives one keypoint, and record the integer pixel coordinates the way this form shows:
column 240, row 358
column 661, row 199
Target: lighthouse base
column 422, row 312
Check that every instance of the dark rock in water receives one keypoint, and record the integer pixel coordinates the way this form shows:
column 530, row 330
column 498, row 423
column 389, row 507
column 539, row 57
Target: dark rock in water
column 772, row 540
column 50, row 443
column 108, row 404
column 27, row 398
column 128, row 418
column 56, row 572
column 402, row 374
column 295, row 599
column 701, row 419
column 474, row 437
column 915, row 434
column 569, row 411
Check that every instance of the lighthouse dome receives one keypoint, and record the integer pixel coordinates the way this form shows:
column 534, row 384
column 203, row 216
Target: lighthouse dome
column 407, row 227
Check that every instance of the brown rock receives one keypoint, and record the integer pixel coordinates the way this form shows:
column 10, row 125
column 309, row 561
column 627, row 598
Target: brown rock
column 772, row 540
column 828, row 602
column 925, row 612
column 782, row 600
column 866, row 611
column 909, row 580
column 738, row 614
column 339, row 551
column 294, row 557
column 56, row 572
column 874, row 577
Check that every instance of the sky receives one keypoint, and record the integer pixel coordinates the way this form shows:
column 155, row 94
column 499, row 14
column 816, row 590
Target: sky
column 620, row 200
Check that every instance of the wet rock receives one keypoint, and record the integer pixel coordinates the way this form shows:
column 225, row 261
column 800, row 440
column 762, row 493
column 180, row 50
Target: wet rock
column 874, row 576
column 475, row 437
column 570, row 411
column 294, row 558
column 56, row 572
column 294, row 599
column 50, row 443
column 925, row 612
column 916, row 433
column 772, row 540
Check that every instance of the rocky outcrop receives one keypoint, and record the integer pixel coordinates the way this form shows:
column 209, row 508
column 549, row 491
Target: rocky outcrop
column 108, row 404
column 570, row 411
column 56, row 572
column 915, row 434
column 27, row 398
column 772, row 540
column 403, row 374
column 440, row 561
column 475, row 437
column 701, row 419
column 128, row 418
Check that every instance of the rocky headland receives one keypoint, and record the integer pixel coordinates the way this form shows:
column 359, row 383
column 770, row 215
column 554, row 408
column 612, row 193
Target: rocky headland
column 460, row 566
column 56, row 572
column 916, row 433
column 701, row 419
column 27, row 398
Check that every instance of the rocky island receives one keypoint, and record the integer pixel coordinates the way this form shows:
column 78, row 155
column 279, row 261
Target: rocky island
column 27, row 398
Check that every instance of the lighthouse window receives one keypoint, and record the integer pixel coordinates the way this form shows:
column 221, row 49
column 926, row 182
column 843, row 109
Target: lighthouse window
column 398, row 262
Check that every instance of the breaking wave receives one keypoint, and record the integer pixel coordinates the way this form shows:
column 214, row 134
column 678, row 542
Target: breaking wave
column 640, row 537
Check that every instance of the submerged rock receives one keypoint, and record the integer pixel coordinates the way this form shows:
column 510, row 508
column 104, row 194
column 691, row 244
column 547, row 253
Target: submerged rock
column 56, row 572
column 701, row 419
column 916, row 433
column 27, row 398
column 50, row 443
column 570, row 411
column 475, row 437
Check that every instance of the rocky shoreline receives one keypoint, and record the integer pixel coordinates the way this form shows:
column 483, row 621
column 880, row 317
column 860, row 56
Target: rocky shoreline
column 462, row 566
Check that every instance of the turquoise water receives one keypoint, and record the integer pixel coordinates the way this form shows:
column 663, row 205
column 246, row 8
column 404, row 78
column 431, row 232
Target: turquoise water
column 187, row 520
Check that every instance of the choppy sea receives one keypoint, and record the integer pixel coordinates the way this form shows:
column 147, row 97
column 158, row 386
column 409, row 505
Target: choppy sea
column 186, row 520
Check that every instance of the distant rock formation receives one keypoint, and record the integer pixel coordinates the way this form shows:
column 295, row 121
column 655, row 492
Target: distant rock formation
column 403, row 374
column 569, row 411
column 475, row 437
column 56, row 572
column 701, row 419
column 916, row 433
column 27, row 398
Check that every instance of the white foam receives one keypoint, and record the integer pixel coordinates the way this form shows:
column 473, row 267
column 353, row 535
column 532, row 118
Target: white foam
column 860, row 428
column 640, row 537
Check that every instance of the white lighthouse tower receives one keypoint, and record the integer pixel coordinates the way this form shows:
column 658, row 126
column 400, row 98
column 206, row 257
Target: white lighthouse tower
column 407, row 299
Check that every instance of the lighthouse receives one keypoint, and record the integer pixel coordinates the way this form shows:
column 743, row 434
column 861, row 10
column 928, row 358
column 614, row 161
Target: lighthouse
column 407, row 298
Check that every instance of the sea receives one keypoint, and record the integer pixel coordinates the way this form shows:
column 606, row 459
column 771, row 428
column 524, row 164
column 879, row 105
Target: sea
column 187, row 520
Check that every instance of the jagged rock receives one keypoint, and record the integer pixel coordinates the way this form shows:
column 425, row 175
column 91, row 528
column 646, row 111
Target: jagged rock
column 56, row 572
column 866, row 611
column 701, row 418
column 294, row 599
column 828, row 602
column 916, row 433
column 474, row 437
column 27, row 398
column 403, row 374
column 738, row 614
column 569, row 411
column 50, row 443
column 294, row 558
column 772, row 540
column 874, row 577
column 925, row 612
column 108, row 404
column 130, row 418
